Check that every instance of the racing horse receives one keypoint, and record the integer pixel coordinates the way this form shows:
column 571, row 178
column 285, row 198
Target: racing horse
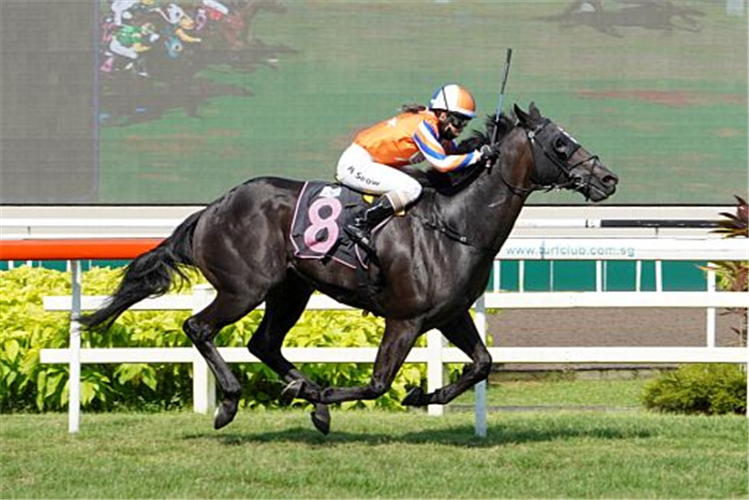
column 431, row 266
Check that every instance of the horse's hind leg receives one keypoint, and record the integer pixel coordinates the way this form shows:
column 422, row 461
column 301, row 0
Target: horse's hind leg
column 202, row 328
column 462, row 332
column 283, row 307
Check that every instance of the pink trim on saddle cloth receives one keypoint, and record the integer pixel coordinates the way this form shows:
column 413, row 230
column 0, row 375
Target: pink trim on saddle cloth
column 293, row 219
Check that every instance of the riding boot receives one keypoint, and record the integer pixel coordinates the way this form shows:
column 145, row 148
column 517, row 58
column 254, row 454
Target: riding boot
column 361, row 229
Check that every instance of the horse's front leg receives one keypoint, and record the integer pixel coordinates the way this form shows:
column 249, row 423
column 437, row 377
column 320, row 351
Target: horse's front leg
column 462, row 332
column 397, row 341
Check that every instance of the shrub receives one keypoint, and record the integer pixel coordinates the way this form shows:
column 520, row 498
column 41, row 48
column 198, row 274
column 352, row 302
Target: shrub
column 27, row 385
column 711, row 389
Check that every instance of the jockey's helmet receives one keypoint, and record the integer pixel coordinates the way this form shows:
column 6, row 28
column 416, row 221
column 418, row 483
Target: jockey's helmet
column 454, row 99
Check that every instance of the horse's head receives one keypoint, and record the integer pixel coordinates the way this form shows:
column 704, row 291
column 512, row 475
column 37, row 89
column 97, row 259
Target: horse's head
column 560, row 161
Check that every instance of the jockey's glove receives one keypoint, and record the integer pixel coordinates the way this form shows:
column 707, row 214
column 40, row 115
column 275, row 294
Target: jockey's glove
column 489, row 152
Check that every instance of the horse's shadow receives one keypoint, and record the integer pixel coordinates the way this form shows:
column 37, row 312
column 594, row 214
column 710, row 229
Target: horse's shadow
column 662, row 15
column 459, row 436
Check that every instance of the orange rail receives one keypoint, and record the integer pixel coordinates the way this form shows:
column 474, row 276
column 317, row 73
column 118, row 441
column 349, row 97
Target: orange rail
column 98, row 249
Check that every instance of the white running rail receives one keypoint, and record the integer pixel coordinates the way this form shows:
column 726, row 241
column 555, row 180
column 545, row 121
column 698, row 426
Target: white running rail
column 435, row 354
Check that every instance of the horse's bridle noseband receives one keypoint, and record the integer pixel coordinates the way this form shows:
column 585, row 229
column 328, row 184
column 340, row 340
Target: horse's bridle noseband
column 558, row 157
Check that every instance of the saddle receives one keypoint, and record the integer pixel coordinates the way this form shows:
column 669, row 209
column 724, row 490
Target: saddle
column 322, row 211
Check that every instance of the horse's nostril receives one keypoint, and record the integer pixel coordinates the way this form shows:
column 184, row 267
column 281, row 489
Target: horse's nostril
column 610, row 180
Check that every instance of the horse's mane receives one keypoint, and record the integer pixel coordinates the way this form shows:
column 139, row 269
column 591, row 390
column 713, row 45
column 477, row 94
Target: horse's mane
column 449, row 183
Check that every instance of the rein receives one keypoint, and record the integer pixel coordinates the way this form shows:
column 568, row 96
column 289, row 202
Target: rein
column 540, row 151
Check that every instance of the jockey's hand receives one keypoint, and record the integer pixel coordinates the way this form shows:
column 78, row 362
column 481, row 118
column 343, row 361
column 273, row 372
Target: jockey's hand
column 489, row 152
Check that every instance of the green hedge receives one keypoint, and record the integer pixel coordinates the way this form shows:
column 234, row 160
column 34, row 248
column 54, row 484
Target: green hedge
column 712, row 389
column 27, row 385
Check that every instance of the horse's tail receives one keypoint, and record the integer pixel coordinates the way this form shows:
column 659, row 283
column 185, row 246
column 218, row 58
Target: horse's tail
column 150, row 274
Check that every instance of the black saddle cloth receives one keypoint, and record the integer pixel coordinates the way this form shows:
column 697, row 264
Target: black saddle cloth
column 322, row 211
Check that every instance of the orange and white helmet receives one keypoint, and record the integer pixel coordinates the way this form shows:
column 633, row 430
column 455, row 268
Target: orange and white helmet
column 454, row 99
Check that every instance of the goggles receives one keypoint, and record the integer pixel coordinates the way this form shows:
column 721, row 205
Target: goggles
column 457, row 120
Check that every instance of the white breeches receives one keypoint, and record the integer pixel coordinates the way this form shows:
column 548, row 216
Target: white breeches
column 357, row 170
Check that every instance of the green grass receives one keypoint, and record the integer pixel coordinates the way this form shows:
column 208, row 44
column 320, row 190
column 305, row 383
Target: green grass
column 560, row 392
column 277, row 454
column 374, row 454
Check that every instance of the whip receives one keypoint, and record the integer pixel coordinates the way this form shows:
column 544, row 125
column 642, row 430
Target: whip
column 501, row 95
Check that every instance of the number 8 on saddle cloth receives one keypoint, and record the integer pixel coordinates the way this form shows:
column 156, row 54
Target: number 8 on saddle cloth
column 321, row 212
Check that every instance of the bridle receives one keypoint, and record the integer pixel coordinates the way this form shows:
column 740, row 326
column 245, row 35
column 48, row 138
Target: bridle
column 564, row 147
column 557, row 158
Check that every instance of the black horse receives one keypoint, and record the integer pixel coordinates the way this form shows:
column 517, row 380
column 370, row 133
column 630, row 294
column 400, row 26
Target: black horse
column 431, row 266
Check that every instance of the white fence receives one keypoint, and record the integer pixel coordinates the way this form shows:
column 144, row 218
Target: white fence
column 436, row 354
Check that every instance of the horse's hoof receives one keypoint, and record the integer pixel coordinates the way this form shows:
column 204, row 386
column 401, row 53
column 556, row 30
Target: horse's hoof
column 291, row 392
column 321, row 418
column 415, row 397
column 224, row 415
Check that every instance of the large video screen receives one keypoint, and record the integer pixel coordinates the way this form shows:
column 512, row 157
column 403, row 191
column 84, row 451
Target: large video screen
column 175, row 102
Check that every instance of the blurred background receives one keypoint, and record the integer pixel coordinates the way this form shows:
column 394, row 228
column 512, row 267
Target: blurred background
column 156, row 102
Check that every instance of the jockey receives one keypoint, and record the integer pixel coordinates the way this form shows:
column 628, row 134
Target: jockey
column 372, row 163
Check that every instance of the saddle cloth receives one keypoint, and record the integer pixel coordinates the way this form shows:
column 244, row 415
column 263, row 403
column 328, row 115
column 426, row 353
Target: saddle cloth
column 322, row 211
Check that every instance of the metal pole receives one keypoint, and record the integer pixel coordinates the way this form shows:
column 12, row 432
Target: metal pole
column 74, row 382
column 480, row 388
column 435, row 368
column 497, row 283
column 710, row 330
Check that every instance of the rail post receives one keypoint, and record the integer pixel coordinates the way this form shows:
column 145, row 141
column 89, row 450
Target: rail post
column 435, row 368
column 480, row 388
column 74, row 382
column 710, row 327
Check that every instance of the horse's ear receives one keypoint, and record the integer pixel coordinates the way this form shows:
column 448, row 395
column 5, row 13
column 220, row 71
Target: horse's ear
column 522, row 115
column 535, row 113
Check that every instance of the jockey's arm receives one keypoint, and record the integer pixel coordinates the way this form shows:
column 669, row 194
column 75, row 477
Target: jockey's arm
column 427, row 140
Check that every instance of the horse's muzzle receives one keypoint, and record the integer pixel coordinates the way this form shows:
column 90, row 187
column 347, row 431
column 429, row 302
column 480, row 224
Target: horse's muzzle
column 596, row 183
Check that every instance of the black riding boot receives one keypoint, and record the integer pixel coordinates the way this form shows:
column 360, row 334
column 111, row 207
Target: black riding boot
column 361, row 229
